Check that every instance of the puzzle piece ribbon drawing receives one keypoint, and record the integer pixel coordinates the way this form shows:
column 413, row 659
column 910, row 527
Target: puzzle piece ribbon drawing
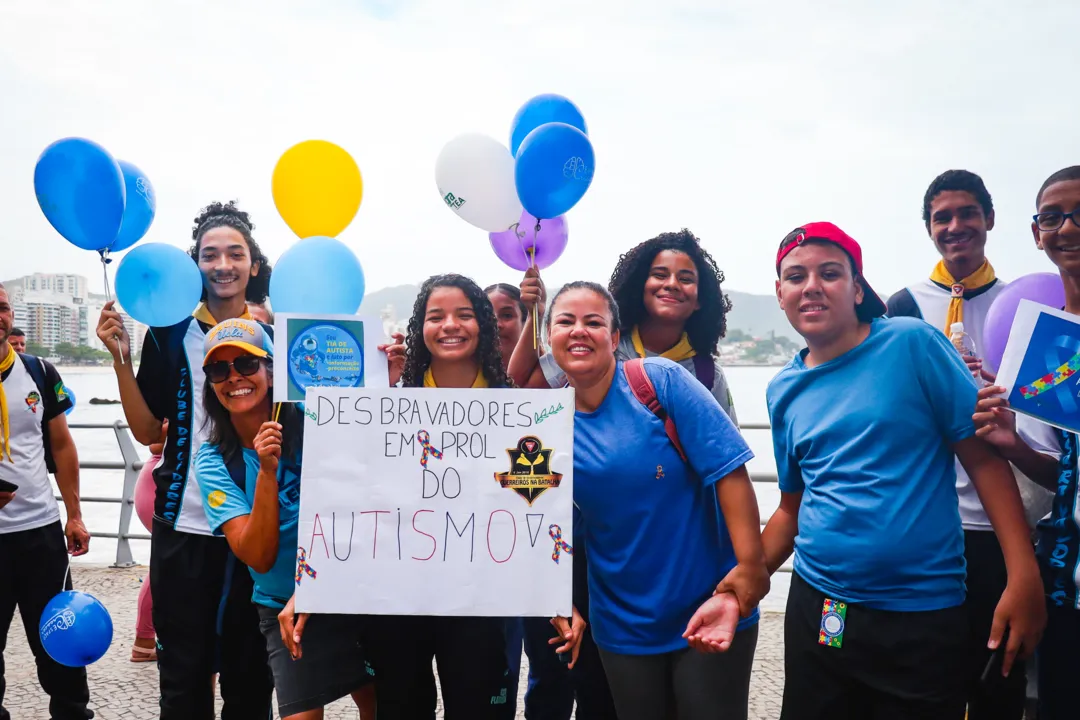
column 1062, row 367
column 302, row 566
column 560, row 545
column 429, row 449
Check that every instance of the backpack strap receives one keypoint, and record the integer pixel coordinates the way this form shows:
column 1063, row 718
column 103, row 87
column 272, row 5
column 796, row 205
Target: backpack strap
column 36, row 369
column 705, row 371
column 643, row 390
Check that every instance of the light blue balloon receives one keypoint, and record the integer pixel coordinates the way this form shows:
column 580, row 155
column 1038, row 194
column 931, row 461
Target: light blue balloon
column 76, row 629
column 158, row 284
column 139, row 210
column 541, row 110
column 71, row 396
column 318, row 275
column 80, row 188
column 553, row 169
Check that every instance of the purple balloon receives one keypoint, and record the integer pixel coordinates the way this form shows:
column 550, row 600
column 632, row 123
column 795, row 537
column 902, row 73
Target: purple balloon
column 1045, row 288
column 513, row 245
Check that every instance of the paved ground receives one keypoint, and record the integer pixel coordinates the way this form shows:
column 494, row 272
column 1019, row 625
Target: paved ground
column 120, row 689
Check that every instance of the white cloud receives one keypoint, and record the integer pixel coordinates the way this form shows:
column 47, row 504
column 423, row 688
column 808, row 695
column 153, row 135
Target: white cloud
column 739, row 121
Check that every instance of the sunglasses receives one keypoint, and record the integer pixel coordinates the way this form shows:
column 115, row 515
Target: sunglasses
column 218, row 371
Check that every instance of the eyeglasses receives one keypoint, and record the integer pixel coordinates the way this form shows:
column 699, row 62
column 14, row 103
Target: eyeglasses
column 218, row 372
column 1055, row 219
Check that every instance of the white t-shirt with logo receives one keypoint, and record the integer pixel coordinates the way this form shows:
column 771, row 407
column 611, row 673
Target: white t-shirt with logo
column 34, row 505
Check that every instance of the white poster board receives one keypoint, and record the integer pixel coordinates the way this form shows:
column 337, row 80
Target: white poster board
column 437, row 502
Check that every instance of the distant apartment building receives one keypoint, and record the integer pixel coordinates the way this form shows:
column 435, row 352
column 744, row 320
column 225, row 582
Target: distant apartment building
column 53, row 308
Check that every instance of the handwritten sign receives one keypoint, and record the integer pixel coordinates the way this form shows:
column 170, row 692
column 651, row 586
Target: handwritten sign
column 1041, row 365
column 326, row 351
column 437, row 502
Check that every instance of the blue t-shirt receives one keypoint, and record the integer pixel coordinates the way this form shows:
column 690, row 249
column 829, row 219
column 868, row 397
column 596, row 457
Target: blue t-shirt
column 657, row 543
column 867, row 438
column 223, row 501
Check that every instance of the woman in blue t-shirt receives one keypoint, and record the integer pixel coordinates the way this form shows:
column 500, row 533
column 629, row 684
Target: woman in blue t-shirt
column 661, row 531
column 249, row 477
column 451, row 342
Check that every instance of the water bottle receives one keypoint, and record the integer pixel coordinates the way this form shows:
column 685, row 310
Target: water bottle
column 964, row 345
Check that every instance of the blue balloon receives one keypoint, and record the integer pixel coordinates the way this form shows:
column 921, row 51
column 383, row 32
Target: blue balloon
column 554, row 168
column 75, row 629
column 80, row 188
column 318, row 275
column 139, row 210
column 158, row 284
column 541, row 110
column 71, row 396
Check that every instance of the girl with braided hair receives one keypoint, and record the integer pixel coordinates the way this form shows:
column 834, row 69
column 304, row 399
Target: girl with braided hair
column 452, row 342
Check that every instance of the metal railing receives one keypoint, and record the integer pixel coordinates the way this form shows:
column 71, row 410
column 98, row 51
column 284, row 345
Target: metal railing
column 132, row 464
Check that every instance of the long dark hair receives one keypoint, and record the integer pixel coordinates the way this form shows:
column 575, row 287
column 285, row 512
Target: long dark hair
column 708, row 323
column 514, row 293
column 417, row 355
column 223, row 434
column 217, row 215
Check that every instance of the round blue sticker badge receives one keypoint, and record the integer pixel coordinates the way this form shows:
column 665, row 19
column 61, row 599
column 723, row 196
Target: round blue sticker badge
column 325, row 355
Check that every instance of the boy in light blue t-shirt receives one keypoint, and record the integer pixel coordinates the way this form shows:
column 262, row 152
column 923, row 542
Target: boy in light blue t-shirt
column 866, row 424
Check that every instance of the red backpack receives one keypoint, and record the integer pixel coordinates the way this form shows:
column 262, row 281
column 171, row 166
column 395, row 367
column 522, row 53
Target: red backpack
column 643, row 390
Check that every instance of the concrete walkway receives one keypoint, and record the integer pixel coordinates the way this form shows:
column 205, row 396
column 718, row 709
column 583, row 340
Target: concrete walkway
column 122, row 689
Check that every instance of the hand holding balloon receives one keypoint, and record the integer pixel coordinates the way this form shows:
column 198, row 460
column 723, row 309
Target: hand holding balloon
column 112, row 333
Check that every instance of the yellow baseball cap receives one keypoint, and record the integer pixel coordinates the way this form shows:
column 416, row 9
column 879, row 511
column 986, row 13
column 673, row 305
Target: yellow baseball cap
column 244, row 334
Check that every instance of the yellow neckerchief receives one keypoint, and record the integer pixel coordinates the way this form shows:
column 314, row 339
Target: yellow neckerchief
column 5, row 442
column 976, row 280
column 479, row 382
column 681, row 351
column 202, row 314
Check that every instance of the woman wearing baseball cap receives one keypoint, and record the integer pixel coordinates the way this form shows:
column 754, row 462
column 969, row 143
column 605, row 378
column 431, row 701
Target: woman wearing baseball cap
column 249, row 476
column 866, row 423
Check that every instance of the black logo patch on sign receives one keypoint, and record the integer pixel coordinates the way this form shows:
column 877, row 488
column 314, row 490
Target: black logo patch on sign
column 530, row 471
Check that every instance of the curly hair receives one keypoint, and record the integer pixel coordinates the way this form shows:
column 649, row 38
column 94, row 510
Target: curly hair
column 709, row 323
column 217, row 215
column 417, row 355
column 958, row 181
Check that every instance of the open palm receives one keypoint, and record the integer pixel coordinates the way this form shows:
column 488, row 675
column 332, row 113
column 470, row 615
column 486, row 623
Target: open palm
column 712, row 628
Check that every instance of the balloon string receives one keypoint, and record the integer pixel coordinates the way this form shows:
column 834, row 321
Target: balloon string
column 535, row 309
column 67, row 573
column 108, row 295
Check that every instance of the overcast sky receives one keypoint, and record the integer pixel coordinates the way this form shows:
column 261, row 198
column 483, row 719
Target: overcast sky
column 737, row 119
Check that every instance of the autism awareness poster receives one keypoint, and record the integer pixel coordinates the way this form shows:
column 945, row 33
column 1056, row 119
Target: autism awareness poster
column 312, row 351
column 437, row 502
column 1041, row 366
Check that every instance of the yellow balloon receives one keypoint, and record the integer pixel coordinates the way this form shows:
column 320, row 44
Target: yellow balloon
column 317, row 188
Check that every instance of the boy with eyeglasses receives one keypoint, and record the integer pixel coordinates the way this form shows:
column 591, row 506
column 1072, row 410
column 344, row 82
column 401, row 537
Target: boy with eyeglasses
column 1048, row 456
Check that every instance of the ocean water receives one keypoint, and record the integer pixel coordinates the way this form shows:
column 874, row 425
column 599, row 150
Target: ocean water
column 747, row 386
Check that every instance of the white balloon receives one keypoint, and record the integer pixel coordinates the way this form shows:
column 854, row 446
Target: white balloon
column 475, row 176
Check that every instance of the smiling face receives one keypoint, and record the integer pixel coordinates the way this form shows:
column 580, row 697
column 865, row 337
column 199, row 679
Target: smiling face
column 451, row 331
column 240, row 394
column 671, row 289
column 1062, row 246
column 958, row 228
column 17, row 342
column 510, row 322
column 818, row 292
column 582, row 338
column 225, row 262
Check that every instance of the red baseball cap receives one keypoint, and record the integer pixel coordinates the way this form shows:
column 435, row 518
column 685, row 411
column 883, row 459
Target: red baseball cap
column 872, row 305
